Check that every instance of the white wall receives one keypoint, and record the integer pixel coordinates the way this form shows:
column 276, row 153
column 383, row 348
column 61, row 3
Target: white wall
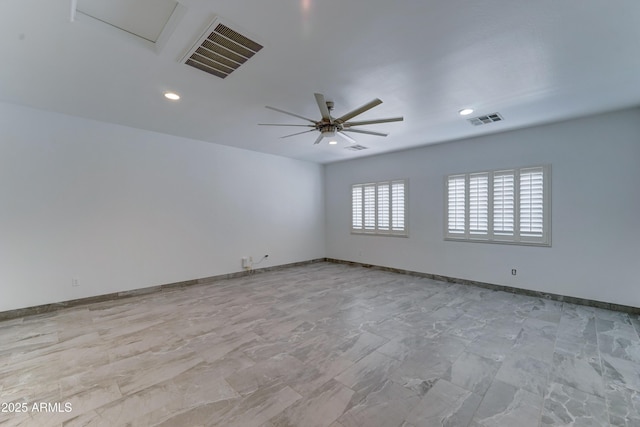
column 123, row 208
column 595, row 251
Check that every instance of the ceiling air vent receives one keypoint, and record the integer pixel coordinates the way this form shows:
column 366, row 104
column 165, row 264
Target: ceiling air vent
column 483, row 120
column 221, row 50
column 356, row 147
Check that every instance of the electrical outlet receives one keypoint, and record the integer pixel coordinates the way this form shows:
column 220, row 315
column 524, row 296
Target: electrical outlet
column 513, row 271
column 75, row 282
column 245, row 262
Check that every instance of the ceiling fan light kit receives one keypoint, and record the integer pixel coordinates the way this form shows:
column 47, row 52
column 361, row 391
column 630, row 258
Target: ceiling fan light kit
column 329, row 126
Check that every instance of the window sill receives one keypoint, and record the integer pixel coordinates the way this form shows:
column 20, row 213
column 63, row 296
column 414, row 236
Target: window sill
column 372, row 233
column 499, row 242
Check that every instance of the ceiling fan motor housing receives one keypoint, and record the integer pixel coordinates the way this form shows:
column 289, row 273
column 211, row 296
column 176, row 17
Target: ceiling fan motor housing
column 329, row 129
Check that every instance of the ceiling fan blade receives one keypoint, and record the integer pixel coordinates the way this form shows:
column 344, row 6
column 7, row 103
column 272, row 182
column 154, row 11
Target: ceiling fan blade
column 373, row 122
column 282, row 124
column 291, row 114
column 298, row 133
column 347, row 137
column 358, row 111
column 319, row 139
column 322, row 104
column 368, row 132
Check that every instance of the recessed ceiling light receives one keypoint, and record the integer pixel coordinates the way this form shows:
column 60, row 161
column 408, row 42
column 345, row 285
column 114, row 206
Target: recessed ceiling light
column 465, row 111
column 172, row 96
column 333, row 142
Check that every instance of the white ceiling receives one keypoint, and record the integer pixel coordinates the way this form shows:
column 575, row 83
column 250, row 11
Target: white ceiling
column 532, row 61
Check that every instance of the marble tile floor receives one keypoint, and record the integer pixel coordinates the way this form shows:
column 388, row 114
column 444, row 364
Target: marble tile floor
column 324, row 345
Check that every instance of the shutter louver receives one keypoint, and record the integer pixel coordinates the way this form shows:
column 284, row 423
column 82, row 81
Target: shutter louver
column 397, row 206
column 531, row 202
column 503, row 203
column 456, row 204
column 479, row 204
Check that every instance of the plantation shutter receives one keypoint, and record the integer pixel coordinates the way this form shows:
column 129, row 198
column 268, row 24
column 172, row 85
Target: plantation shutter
column 397, row 205
column 532, row 203
column 356, row 207
column 503, row 206
column 379, row 208
column 503, row 203
column 456, row 204
column 383, row 207
column 370, row 207
column 479, row 203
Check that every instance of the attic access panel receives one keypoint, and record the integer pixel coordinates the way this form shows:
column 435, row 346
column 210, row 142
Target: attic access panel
column 143, row 18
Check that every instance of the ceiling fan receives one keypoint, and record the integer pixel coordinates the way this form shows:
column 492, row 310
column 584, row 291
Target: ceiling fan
column 329, row 127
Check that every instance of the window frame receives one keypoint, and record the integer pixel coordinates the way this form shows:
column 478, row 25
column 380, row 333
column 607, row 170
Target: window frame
column 491, row 236
column 390, row 218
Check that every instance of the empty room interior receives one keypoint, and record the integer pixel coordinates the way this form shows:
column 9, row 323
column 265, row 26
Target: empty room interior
column 319, row 213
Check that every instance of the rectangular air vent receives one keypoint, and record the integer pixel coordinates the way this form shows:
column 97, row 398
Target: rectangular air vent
column 221, row 50
column 483, row 120
column 356, row 147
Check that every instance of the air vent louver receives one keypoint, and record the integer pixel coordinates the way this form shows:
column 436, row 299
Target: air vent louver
column 483, row 120
column 221, row 50
column 356, row 147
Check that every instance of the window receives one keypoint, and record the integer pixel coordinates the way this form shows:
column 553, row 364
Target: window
column 379, row 208
column 502, row 206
